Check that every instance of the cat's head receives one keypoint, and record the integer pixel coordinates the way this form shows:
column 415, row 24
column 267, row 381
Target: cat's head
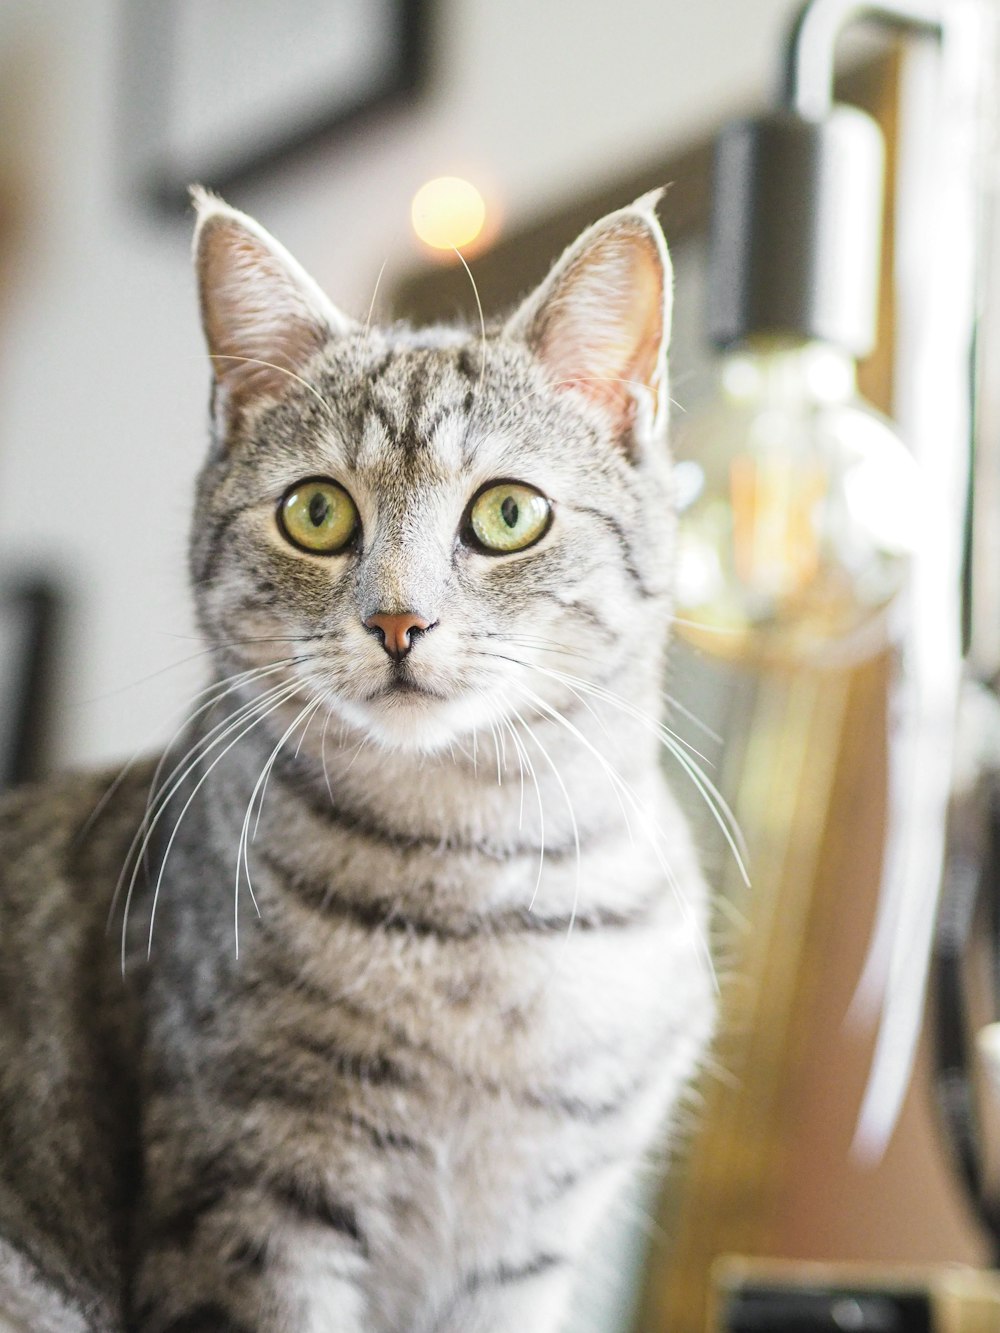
column 436, row 524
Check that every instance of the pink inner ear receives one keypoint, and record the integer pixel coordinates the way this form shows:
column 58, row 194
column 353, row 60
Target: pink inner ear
column 259, row 326
column 602, row 330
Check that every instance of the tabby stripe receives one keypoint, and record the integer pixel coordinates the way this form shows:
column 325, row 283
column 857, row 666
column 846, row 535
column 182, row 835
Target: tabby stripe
column 579, row 609
column 465, row 365
column 375, row 372
column 573, row 1107
column 314, row 1206
column 177, row 1229
column 507, row 1274
column 592, row 1112
column 381, row 415
column 411, row 437
column 208, row 1317
column 612, row 525
column 382, row 1138
column 371, row 1019
column 300, row 777
column 576, row 1108
column 207, row 566
column 556, row 1186
column 250, row 1087
column 73, row 1292
column 382, row 914
column 250, row 1255
column 213, row 1179
column 378, row 1070
column 442, row 414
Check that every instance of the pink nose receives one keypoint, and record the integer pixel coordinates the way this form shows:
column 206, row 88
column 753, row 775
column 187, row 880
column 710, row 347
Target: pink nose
column 396, row 630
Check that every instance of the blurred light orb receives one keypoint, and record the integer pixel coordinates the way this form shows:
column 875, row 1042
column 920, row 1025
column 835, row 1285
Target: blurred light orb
column 448, row 213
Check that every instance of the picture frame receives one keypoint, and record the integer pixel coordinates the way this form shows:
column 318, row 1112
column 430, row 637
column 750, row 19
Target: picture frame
column 204, row 98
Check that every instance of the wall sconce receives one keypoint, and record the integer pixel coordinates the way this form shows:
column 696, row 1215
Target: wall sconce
column 802, row 504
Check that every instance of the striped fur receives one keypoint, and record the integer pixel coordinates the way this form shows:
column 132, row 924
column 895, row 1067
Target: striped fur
column 413, row 953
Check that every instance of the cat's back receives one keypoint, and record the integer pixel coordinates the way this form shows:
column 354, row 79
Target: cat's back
column 67, row 1117
column 62, row 846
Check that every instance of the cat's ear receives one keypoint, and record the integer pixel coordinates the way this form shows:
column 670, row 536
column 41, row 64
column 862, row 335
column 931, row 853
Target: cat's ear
column 600, row 322
column 263, row 315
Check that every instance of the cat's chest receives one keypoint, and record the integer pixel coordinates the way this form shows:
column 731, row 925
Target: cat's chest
column 527, row 974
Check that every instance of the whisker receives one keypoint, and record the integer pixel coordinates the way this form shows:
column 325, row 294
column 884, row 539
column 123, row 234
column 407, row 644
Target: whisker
column 363, row 345
column 143, row 680
column 322, row 754
column 283, row 370
column 572, row 816
column 713, row 798
column 701, row 627
column 693, row 718
column 236, row 682
column 654, row 833
column 482, row 321
column 601, row 691
column 354, row 757
column 288, row 692
column 524, row 759
column 308, row 712
column 135, row 856
column 496, row 747
column 126, row 768
column 264, row 638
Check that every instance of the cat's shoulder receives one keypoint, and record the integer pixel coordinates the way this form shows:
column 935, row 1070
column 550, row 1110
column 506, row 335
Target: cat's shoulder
column 49, row 826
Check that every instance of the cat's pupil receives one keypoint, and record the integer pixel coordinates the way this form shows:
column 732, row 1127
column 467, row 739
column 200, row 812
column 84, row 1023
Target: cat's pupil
column 509, row 511
column 319, row 508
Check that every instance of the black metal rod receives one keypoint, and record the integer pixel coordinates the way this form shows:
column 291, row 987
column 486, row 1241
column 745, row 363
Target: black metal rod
column 810, row 50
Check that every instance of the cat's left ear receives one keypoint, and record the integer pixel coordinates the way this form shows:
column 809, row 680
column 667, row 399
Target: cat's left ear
column 263, row 316
column 600, row 322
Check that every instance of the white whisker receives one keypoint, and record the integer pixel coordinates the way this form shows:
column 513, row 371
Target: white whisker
column 572, row 816
column 308, row 712
column 653, row 832
column 287, row 692
column 714, row 800
column 283, row 370
column 135, row 855
column 524, row 759
column 482, row 321
column 216, row 689
column 363, row 345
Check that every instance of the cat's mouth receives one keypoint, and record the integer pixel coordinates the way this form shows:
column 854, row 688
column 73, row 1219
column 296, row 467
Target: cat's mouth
column 403, row 687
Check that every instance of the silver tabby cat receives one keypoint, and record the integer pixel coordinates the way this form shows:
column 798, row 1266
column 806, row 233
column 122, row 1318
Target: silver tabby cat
column 406, row 963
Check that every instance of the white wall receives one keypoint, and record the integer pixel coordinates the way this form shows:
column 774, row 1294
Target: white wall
column 102, row 377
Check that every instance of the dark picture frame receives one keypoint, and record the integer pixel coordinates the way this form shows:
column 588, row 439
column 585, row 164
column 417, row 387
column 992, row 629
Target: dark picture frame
column 157, row 41
column 31, row 616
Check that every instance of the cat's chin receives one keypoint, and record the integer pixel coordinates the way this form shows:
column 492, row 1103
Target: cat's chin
column 417, row 723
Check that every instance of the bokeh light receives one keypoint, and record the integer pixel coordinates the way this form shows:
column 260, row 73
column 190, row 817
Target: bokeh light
column 448, row 213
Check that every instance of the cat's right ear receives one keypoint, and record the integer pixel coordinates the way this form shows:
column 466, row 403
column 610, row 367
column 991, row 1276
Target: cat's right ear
column 263, row 316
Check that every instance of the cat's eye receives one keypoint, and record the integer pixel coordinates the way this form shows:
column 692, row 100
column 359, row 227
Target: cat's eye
column 508, row 516
column 319, row 516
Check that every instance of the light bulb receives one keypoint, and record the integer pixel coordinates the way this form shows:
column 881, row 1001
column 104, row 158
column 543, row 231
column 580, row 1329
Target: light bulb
column 799, row 509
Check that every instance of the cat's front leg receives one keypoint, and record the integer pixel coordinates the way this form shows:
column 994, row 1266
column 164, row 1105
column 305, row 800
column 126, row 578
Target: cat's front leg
column 533, row 1298
column 299, row 1284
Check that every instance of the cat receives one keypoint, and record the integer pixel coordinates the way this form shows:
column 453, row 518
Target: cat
column 405, row 965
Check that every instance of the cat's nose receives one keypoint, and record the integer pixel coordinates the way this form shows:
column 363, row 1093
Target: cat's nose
column 395, row 630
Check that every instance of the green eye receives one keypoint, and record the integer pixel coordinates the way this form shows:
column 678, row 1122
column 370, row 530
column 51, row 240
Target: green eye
column 509, row 516
column 319, row 516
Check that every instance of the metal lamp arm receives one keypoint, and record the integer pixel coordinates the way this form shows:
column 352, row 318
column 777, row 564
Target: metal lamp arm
column 811, row 46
